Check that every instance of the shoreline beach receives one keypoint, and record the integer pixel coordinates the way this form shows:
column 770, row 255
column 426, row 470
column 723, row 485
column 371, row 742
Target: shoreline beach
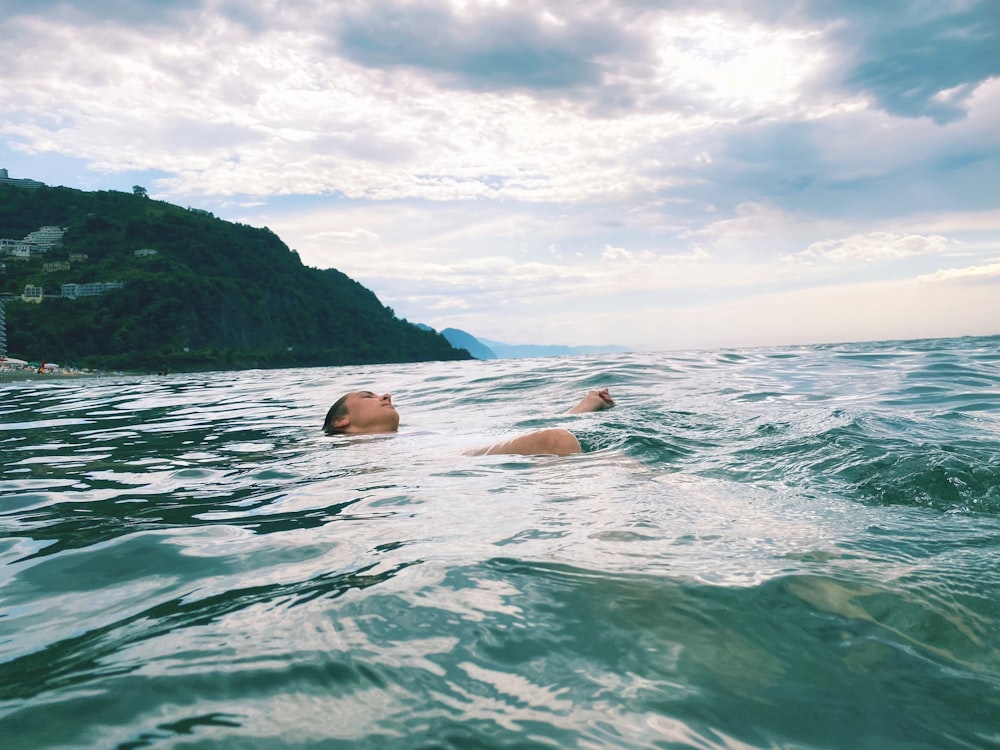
column 8, row 375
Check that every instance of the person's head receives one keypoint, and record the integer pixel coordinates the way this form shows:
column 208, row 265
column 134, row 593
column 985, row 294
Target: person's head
column 361, row 412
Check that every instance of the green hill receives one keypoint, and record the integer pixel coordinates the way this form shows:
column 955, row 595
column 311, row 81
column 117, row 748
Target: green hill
column 215, row 295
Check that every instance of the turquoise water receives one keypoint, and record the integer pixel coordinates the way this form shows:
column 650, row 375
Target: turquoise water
column 793, row 547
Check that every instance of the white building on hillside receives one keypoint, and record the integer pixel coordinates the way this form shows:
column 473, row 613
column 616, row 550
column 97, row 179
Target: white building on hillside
column 6, row 179
column 92, row 289
column 32, row 293
column 45, row 238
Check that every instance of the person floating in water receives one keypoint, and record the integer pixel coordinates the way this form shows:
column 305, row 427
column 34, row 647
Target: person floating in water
column 367, row 413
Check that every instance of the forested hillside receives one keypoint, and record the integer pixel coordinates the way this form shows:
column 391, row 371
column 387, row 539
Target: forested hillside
column 215, row 294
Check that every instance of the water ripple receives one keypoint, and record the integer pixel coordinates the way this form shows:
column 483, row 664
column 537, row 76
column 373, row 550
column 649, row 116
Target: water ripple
column 762, row 548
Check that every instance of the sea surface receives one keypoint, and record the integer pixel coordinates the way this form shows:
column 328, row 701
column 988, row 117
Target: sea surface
column 792, row 547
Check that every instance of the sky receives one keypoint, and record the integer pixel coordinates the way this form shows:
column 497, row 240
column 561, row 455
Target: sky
column 655, row 175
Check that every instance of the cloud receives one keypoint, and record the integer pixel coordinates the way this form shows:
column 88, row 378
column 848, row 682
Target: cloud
column 131, row 12
column 928, row 64
column 238, row 101
column 872, row 246
column 857, row 163
column 486, row 46
column 351, row 236
column 989, row 273
column 360, row 100
column 911, row 59
column 757, row 232
column 752, row 220
column 621, row 255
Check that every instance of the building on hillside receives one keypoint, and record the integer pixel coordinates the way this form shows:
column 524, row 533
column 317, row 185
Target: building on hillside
column 93, row 289
column 144, row 252
column 6, row 179
column 32, row 293
column 44, row 239
column 15, row 247
column 77, row 257
column 56, row 265
column 36, row 243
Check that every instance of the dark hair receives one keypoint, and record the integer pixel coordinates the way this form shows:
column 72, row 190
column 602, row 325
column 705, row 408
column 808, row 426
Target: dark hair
column 339, row 409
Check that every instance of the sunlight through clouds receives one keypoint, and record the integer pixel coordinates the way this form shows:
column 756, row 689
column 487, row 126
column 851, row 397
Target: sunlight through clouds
column 744, row 69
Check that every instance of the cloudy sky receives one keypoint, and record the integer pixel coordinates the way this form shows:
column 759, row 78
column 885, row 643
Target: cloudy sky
column 654, row 174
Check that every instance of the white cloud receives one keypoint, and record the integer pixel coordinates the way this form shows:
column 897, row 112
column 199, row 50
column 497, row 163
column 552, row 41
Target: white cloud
column 228, row 112
column 738, row 68
column 987, row 273
column 752, row 221
column 646, row 261
column 872, row 246
column 350, row 236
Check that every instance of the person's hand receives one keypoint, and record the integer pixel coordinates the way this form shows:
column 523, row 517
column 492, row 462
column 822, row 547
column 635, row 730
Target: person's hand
column 605, row 397
column 594, row 401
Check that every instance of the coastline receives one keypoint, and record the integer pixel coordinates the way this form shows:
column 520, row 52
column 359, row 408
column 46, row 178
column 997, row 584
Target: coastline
column 10, row 375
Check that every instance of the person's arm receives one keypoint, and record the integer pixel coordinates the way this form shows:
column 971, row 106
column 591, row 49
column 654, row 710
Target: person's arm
column 554, row 441
column 594, row 401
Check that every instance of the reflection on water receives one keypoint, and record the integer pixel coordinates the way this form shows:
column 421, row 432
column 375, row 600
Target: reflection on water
column 790, row 547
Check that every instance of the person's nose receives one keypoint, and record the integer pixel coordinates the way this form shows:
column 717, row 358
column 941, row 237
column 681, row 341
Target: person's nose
column 387, row 398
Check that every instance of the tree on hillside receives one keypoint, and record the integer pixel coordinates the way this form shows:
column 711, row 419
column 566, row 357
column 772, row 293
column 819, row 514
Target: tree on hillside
column 140, row 191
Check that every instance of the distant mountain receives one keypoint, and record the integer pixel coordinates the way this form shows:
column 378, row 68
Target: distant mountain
column 462, row 340
column 487, row 349
column 515, row 351
column 200, row 294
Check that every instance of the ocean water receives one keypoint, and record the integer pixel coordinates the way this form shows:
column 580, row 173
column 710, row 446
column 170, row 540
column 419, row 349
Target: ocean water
column 791, row 547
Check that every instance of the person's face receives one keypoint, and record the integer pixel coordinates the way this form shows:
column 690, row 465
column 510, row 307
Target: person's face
column 369, row 413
